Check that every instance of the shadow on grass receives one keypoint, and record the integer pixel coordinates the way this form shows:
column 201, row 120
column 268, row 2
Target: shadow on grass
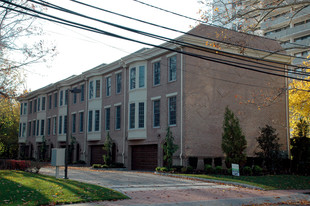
column 54, row 190
column 14, row 193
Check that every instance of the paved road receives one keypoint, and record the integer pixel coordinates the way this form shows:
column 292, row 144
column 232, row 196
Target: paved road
column 151, row 189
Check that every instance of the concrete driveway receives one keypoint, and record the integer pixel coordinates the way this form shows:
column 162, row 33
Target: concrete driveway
column 151, row 189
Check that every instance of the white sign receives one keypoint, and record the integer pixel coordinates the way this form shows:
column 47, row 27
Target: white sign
column 235, row 170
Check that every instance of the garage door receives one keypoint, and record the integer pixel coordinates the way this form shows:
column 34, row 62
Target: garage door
column 96, row 154
column 144, row 157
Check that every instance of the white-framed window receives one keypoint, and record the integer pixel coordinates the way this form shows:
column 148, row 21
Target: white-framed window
column 38, row 127
column 81, row 124
column 61, row 97
column 141, row 76
column 74, row 97
column 34, row 128
column 82, row 93
column 108, row 86
column 118, row 77
column 118, row 117
column 25, row 108
column 42, row 127
column 49, row 126
column 156, row 73
column 24, row 130
column 97, row 120
column 107, row 118
column 73, row 123
column 29, row 129
column 91, row 90
column 132, row 111
column 133, row 78
column 55, row 100
column 97, row 88
column 21, row 109
column 156, row 113
column 66, row 96
column 39, row 104
column 35, row 106
column 172, row 68
column 172, row 110
column 43, row 103
column 60, row 125
column 90, row 121
column 141, row 115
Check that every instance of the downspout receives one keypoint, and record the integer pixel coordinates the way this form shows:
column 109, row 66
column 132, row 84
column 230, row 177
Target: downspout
column 287, row 116
column 181, row 154
column 85, row 116
column 124, row 114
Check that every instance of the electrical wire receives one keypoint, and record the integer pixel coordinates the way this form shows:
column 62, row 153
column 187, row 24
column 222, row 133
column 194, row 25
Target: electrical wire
column 96, row 30
column 182, row 32
column 171, row 12
column 50, row 5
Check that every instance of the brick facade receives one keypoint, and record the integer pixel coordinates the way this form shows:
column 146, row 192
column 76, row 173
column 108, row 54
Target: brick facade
column 187, row 94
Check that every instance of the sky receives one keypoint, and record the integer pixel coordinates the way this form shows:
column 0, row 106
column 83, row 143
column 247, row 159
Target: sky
column 80, row 50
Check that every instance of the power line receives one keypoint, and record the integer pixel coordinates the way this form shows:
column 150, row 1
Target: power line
column 96, row 30
column 171, row 12
column 182, row 32
column 223, row 53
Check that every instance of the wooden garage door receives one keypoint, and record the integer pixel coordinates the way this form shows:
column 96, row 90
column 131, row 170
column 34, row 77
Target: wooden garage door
column 144, row 157
column 96, row 154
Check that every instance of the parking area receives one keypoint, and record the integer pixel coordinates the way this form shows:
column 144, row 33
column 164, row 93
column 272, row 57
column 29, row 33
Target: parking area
column 149, row 189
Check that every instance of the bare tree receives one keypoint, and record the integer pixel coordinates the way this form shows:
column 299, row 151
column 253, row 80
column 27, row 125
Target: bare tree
column 21, row 44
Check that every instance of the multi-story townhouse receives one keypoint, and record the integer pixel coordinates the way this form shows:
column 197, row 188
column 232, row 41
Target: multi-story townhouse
column 136, row 98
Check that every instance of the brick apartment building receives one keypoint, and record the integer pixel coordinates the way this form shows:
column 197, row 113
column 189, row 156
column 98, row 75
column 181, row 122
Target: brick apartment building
column 137, row 97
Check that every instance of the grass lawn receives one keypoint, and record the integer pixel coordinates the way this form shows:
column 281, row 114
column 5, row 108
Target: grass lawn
column 23, row 188
column 270, row 182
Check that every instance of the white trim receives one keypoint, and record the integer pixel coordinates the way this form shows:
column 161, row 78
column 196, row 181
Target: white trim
column 117, row 104
column 156, row 60
column 108, row 106
column 109, row 75
column 172, row 94
column 73, row 112
column 171, row 54
column 80, row 111
column 155, row 98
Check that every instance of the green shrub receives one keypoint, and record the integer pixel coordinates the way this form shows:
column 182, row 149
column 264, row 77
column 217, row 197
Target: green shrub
column 117, row 165
column 96, row 166
column 184, row 169
column 105, row 166
column 209, row 169
column 247, row 170
column 257, row 170
column 190, row 169
column 229, row 171
column 218, row 170
column 162, row 169
column 177, row 168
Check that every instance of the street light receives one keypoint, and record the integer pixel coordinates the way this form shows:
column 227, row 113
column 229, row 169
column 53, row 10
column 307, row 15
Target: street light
column 74, row 91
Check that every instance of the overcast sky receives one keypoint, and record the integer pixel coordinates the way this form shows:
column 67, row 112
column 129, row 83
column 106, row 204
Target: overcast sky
column 81, row 50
